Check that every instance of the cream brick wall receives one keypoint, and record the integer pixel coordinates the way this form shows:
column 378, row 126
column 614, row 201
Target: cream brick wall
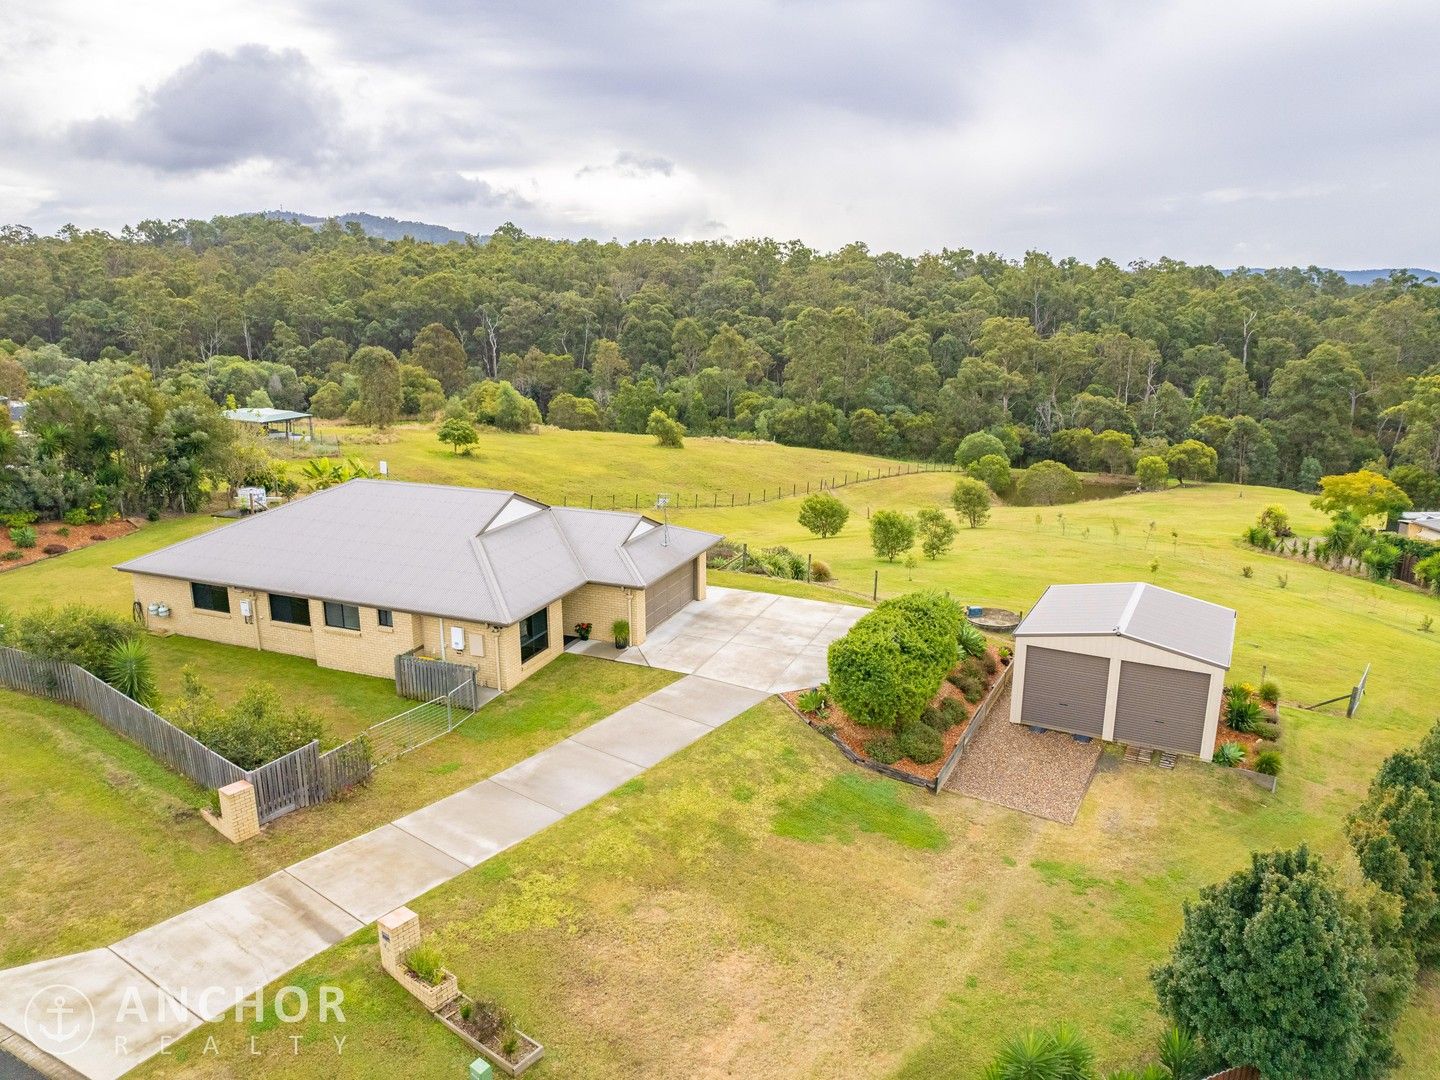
column 371, row 650
column 700, row 579
column 512, row 671
column 600, row 606
column 483, row 661
column 186, row 619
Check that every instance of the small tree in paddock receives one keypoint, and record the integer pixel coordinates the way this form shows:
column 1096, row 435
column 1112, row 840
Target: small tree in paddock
column 1047, row 483
column 993, row 471
column 971, row 500
column 1191, row 460
column 459, row 434
column 891, row 533
column 1152, row 472
column 668, row 432
column 937, row 532
column 823, row 514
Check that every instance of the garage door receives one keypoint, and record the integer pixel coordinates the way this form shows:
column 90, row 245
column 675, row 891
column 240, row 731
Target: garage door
column 669, row 595
column 1162, row 708
column 1065, row 691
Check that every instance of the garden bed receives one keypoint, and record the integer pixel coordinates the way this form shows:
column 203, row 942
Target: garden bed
column 505, row 1046
column 52, row 534
column 853, row 737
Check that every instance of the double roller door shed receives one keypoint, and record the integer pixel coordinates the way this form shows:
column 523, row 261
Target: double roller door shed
column 1124, row 661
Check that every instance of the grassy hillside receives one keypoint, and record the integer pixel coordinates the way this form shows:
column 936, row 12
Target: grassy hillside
column 556, row 465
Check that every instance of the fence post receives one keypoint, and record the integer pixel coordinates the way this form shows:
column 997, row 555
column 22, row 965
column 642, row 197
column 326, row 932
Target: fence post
column 744, row 555
column 809, row 567
column 875, row 589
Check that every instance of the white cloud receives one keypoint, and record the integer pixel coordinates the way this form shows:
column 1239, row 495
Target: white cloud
column 1290, row 131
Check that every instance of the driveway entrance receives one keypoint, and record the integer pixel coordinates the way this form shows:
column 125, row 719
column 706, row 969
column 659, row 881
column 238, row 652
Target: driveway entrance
column 756, row 640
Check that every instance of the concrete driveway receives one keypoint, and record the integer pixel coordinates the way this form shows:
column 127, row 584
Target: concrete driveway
column 764, row 642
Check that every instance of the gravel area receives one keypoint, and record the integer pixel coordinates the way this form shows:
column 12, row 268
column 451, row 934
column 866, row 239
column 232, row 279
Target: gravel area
column 1045, row 775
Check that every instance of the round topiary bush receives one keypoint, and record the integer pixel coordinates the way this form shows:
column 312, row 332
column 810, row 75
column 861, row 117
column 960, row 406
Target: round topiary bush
column 884, row 749
column 888, row 667
column 55, row 549
column 920, row 743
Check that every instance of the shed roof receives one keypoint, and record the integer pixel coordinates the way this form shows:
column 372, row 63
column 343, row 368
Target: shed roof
column 264, row 416
column 1139, row 611
column 427, row 548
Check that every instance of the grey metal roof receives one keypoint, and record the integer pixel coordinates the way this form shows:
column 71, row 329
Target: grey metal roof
column 264, row 416
column 1139, row 611
column 424, row 548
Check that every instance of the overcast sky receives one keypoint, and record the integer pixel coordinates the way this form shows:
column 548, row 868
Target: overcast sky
column 1254, row 132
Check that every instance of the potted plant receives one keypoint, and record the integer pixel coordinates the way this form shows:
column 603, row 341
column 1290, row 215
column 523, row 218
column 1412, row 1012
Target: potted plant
column 1004, row 652
column 621, row 631
column 582, row 631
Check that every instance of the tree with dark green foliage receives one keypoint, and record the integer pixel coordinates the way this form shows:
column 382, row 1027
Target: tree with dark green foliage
column 1048, row 483
column 439, row 352
column 891, row 534
column 1191, row 460
column 1272, row 968
column 379, row 373
column 890, row 664
column 993, row 470
column 823, row 514
column 979, row 444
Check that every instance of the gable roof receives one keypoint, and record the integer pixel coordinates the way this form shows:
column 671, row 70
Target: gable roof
column 264, row 416
column 1139, row 611
column 457, row 552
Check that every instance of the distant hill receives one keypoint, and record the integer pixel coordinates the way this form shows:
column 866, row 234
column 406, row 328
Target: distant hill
column 1361, row 277
column 385, row 228
column 1365, row 277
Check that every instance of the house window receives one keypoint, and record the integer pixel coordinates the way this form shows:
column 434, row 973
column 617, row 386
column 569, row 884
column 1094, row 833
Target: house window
column 342, row 616
column 534, row 634
column 210, row 597
column 290, row 609
column 386, row 616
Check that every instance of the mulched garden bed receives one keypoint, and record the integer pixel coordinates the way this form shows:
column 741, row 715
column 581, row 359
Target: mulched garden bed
column 1251, row 742
column 56, row 533
column 855, row 735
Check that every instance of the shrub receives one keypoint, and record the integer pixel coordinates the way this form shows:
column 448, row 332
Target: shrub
column 1269, row 692
column 933, row 717
column 1247, row 571
column 820, row 571
column 920, row 742
column 988, row 664
column 254, row 731
column 891, row 533
column 889, row 665
column 1275, row 519
column 669, row 433
column 1047, row 483
column 620, row 631
column 1267, row 731
column 152, row 514
column 129, row 670
column 75, row 634
column 55, row 549
column 1151, row 472
column 993, row 470
column 1242, row 714
column 15, row 519
column 952, row 712
column 489, row 1022
column 937, row 617
column 63, row 531
column 1229, row 754
column 973, row 690
column 971, row 640
column 815, row 701
column 823, row 514
column 884, row 749
column 1268, row 762
column 12, row 555
column 426, row 964
column 23, row 537
column 76, row 516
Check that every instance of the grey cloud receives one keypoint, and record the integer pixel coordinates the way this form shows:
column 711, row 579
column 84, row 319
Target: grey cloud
column 630, row 164
column 219, row 110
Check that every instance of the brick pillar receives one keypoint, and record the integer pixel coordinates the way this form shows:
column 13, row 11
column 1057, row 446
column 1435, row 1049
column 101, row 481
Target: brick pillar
column 239, row 817
column 399, row 933
column 700, row 577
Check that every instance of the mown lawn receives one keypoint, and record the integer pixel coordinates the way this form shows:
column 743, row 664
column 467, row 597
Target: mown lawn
column 558, row 466
column 100, row 841
column 756, row 907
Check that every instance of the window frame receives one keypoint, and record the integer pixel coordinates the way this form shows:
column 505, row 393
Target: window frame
column 290, row 602
column 385, row 617
column 533, row 643
column 204, row 588
column 342, row 610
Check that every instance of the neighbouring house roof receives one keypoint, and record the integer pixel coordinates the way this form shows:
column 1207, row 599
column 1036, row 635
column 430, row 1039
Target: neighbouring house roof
column 1430, row 519
column 264, row 416
column 1139, row 611
column 462, row 553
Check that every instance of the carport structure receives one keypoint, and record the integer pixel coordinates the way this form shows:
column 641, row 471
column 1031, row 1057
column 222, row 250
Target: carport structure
column 1124, row 662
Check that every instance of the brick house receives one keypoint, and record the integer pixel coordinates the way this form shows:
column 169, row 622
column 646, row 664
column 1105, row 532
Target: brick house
column 357, row 574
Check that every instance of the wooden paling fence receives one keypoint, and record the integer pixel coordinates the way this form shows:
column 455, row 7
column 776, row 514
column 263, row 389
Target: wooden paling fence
column 300, row 778
column 421, row 679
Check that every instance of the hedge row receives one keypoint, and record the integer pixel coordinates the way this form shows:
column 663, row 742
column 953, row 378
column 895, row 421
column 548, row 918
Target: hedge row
column 890, row 665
